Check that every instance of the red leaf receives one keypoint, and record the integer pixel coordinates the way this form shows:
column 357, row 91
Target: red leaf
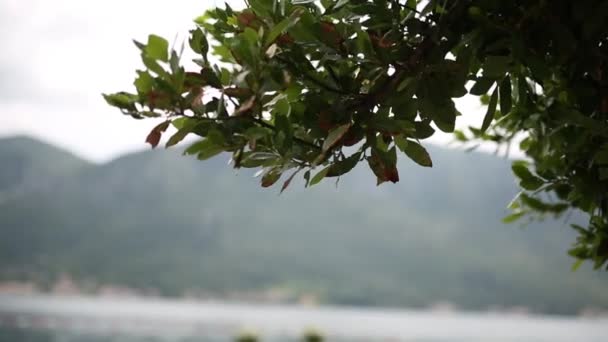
column 155, row 134
column 288, row 181
column 246, row 18
column 270, row 178
column 391, row 174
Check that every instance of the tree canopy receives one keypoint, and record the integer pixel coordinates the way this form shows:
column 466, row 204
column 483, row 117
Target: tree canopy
column 316, row 87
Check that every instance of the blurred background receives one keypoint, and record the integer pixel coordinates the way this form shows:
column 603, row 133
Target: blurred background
column 102, row 239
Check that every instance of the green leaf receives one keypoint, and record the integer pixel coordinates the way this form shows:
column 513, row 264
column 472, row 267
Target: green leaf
column 251, row 36
column 577, row 264
column 393, row 126
column 144, row 82
column 182, row 132
column 406, row 83
column 122, row 100
column 211, row 78
column 601, row 157
column 282, row 27
column 334, row 136
column 528, row 180
column 487, row 120
column 256, row 132
column 178, row 136
column 364, row 44
column 157, row 48
column 319, row 176
column 404, row 108
column 505, row 96
column 284, row 129
column 257, row 159
column 482, row 86
column 442, row 111
column 261, row 7
column 460, row 136
column 344, row 166
column 202, row 19
column 152, row 65
column 522, row 90
column 423, row 129
column 496, row 66
column 204, row 149
column 415, row 152
column 307, row 178
column 533, row 203
column 182, row 122
column 340, row 3
column 198, row 42
column 531, row 184
column 513, row 217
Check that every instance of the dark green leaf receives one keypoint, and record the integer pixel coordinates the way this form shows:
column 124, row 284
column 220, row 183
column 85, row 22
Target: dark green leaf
column 334, row 136
column 442, row 111
column 531, row 184
column 198, row 42
column 482, row 86
column 319, row 176
column 178, row 136
column 211, row 78
column 521, row 171
column 487, row 120
column 415, row 152
column 208, row 147
column 496, row 66
column 505, row 96
column 343, row 166
column 281, row 27
column 423, row 129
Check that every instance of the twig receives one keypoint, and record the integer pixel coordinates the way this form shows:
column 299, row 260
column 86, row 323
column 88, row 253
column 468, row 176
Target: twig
column 410, row 8
column 313, row 79
column 256, row 120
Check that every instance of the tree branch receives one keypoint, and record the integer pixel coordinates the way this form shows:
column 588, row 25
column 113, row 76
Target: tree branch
column 255, row 120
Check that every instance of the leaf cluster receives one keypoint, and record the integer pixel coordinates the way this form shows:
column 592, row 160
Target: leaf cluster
column 319, row 86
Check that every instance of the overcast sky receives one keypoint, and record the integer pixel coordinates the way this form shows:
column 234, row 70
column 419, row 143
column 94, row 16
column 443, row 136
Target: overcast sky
column 59, row 56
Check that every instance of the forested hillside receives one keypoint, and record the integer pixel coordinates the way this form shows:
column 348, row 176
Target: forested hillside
column 159, row 220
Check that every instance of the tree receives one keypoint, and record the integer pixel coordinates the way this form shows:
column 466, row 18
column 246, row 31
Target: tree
column 308, row 85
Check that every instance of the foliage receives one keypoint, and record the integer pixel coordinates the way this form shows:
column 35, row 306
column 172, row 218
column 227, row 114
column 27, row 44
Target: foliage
column 304, row 85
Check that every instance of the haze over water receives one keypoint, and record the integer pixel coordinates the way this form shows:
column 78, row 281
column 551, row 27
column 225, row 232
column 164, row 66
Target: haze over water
column 173, row 320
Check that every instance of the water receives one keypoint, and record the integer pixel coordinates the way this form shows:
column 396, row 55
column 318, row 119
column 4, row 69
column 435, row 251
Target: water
column 73, row 318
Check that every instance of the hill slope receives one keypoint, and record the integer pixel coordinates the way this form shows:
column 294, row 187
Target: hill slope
column 157, row 219
column 28, row 163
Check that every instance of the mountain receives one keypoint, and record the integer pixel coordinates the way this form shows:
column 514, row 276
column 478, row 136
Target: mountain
column 28, row 163
column 159, row 220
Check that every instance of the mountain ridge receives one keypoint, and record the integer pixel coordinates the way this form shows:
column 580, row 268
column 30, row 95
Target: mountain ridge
column 159, row 219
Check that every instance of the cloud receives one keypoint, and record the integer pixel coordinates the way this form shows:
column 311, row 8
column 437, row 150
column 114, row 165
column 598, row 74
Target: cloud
column 59, row 56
